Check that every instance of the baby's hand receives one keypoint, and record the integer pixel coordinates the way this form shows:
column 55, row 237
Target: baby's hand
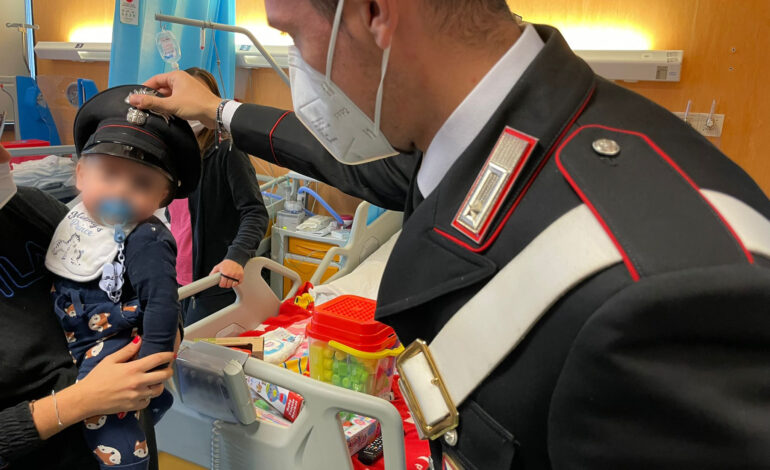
column 232, row 273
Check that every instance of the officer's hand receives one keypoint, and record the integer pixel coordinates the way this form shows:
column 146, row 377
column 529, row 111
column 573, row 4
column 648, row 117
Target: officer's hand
column 186, row 97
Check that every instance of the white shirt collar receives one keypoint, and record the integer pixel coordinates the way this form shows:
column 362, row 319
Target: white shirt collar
column 467, row 121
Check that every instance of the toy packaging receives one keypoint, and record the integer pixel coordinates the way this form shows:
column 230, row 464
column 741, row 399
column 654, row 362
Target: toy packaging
column 350, row 349
column 288, row 403
column 268, row 414
column 360, row 431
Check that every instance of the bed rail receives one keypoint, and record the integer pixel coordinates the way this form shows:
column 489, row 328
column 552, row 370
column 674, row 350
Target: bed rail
column 365, row 239
column 315, row 441
column 52, row 150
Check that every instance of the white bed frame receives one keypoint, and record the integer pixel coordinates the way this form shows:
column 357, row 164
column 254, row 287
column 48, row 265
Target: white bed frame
column 314, row 442
column 365, row 239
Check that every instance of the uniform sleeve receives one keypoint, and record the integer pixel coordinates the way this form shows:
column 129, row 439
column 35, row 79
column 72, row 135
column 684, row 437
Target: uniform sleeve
column 19, row 435
column 151, row 267
column 267, row 134
column 670, row 373
column 247, row 198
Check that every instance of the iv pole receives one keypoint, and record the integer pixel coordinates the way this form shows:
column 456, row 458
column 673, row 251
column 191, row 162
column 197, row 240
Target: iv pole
column 227, row 28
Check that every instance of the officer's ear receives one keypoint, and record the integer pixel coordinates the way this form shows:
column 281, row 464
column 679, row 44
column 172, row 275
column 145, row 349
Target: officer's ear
column 381, row 17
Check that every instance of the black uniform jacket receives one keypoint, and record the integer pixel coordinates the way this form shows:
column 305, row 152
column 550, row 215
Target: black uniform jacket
column 662, row 361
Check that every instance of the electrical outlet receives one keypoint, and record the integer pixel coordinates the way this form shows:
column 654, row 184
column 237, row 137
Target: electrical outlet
column 699, row 122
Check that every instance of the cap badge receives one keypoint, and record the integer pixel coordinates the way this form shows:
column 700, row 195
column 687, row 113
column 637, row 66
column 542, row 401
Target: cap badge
column 139, row 117
column 136, row 116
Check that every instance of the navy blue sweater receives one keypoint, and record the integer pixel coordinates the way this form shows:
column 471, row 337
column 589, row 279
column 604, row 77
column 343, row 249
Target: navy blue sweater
column 151, row 278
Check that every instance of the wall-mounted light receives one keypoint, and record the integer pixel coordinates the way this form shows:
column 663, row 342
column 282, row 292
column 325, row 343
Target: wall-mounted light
column 74, row 51
column 91, row 33
column 265, row 34
column 606, row 38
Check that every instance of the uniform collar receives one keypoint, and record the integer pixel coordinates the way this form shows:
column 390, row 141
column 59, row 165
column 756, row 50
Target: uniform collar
column 468, row 120
column 542, row 103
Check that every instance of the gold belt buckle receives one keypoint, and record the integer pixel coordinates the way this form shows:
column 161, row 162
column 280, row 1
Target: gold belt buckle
column 448, row 423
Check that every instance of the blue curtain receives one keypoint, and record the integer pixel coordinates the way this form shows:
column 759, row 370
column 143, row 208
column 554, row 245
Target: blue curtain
column 134, row 57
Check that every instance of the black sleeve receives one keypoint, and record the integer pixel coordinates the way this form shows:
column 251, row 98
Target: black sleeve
column 151, row 268
column 19, row 435
column 671, row 373
column 247, row 197
column 38, row 208
column 267, row 134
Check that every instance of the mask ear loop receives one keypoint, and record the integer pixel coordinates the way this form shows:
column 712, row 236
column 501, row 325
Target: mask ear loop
column 330, row 63
column 380, row 90
column 333, row 40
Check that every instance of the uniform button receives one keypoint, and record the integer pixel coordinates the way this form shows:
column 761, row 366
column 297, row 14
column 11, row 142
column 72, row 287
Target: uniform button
column 606, row 147
column 451, row 438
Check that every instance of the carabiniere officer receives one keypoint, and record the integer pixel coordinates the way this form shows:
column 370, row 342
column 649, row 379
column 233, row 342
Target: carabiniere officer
column 588, row 275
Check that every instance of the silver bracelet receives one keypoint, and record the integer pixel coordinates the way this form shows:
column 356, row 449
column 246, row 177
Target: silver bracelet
column 222, row 134
column 56, row 408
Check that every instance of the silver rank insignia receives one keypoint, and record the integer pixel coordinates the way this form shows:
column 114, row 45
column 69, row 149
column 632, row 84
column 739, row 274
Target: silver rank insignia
column 493, row 184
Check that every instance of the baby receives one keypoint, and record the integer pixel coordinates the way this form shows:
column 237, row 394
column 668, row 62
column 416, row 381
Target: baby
column 113, row 261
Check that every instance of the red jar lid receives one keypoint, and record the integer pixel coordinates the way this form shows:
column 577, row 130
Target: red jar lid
column 350, row 320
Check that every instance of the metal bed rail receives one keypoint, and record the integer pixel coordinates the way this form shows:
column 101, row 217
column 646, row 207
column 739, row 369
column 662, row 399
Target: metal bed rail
column 52, row 150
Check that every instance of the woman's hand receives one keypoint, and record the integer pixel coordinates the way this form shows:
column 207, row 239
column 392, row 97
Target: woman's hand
column 232, row 273
column 119, row 383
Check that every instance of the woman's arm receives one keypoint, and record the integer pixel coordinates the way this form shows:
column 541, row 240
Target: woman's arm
column 247, row 197
column 122, row 384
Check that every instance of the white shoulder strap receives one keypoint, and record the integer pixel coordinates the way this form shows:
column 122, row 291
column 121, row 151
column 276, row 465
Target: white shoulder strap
column 751, row 227
column 486, row 329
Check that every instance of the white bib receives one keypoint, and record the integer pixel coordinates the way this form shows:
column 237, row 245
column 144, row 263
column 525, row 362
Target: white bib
column 81, row 246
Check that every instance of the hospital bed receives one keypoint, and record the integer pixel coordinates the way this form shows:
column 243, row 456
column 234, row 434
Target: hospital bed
column 369, row 231
column 315, row 441
column 48, row 168
column 322, row 259
column 273, row 203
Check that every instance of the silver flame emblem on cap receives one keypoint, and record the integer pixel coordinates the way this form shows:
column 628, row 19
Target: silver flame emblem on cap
column 139, row 117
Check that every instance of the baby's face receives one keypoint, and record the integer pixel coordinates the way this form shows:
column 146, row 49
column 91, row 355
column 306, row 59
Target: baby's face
column 101, row 177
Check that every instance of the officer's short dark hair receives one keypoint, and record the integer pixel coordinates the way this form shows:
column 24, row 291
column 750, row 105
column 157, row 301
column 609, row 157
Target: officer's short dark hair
column 449, row 13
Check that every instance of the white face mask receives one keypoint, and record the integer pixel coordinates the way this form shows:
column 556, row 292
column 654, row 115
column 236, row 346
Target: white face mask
column 330, row 115
column 197, row 126
column 7, row 185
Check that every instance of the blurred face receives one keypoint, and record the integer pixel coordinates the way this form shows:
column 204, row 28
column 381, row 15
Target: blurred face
column 102, row 177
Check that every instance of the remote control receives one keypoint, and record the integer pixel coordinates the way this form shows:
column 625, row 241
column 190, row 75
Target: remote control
column 372, row 452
